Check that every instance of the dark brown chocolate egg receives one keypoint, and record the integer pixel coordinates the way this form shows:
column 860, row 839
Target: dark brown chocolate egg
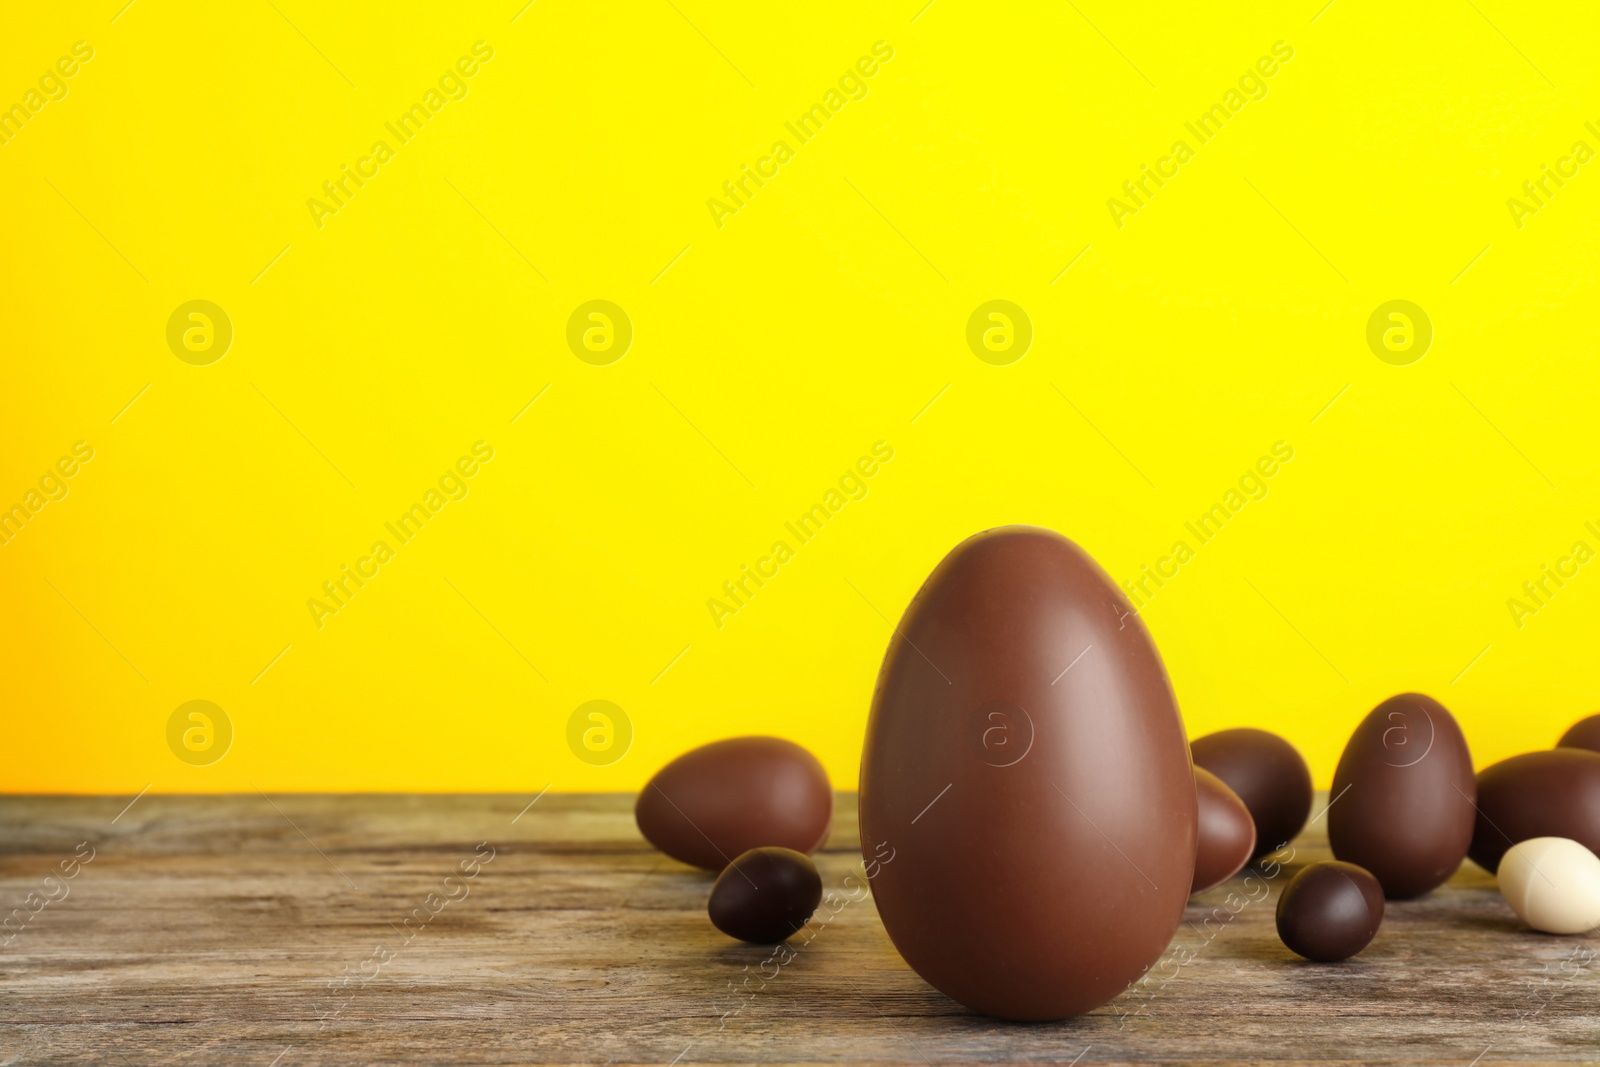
column 765, row 895
column 1268, row 774
column 1401, row 803
column 1585, row 733
column 1537, row 794
column 1026, row 763
column 722, row 799
column 1227, row 835
column 1330, row 911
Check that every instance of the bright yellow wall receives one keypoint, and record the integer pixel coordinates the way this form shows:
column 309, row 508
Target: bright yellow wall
column 770, row 352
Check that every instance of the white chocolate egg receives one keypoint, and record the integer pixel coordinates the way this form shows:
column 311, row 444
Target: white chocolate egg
column 1553, row 884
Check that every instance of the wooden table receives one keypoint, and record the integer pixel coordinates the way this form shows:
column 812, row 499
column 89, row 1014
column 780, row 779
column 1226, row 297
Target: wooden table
column 298, row 929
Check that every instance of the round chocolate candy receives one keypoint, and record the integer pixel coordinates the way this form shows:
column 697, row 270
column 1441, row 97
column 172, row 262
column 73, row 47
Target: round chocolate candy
column 1585, row 733
column 1553, row 884
column 1267, row 773
column 716, row 801
column 765, row 895
column 1227, row 834
column 1330, row 911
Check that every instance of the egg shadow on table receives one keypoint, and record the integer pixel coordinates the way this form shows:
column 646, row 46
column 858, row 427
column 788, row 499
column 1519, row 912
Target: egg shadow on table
column 1470, row 876
column 1362, row 979
column 1500, row 924
column 666, row 899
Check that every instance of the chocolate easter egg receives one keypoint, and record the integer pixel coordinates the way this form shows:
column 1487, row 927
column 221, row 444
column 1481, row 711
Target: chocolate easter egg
column 1555, row 793
column 1401, row 803
column 1268, row 774
column 722, row 799
column 1329, row 911
column 1026, row 763
column 1227, row 835
column 765, row 895
column 1585, row 733
column 1553, row 884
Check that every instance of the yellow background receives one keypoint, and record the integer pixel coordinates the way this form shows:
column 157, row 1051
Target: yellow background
column 821, row 318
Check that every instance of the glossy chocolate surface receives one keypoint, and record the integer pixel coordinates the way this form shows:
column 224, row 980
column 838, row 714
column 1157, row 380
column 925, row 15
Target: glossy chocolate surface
column 1267, row 773
column 722, row 799
column 1401, row 801
column 1227, row 835
column 765, row 895
column 1555, row 793
column 1329, row 911
column 1585, row 733
column 1025, row 760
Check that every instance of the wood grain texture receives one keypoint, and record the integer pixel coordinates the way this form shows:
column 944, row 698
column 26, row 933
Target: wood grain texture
column 248, row 929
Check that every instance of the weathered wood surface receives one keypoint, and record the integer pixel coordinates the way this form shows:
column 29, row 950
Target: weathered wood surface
column 248, row 929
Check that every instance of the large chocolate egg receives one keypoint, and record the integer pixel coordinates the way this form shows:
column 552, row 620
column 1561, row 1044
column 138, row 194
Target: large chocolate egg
column 1026, row 762
column 1401, row 803
column 1268, row 774
column 1227, row 834
column 719, row 800
column 1537, row 794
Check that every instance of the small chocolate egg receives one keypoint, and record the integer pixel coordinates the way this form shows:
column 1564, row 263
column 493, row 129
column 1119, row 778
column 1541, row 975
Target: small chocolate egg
column 1585, row 733
column 765, row 895
column 1554, row 793
column 1267, row 773
column 719, row 800
column 1227, row 834
column 1401, row 802
column 1330, row 911
column 1553, row 884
